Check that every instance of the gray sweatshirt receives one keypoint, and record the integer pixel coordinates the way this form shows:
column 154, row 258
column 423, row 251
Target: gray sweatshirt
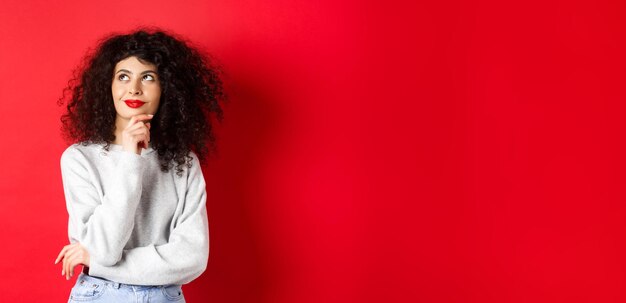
column 140, row 225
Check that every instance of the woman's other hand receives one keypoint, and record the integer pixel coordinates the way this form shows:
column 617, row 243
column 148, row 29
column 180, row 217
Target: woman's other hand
column 72, row 255
column 136, row 135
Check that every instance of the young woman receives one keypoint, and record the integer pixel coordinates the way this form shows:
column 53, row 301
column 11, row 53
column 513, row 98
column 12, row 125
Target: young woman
column 139, row 114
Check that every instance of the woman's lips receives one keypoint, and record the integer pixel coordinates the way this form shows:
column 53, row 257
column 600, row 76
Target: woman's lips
column 134, row 103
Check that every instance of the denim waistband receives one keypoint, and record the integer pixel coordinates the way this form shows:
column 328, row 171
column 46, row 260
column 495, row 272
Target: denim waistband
column 94, row 279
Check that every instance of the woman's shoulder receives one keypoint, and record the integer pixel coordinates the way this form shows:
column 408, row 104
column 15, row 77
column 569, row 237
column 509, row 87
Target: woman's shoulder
column 81, row 147
column 80, row 150
column 193, row 156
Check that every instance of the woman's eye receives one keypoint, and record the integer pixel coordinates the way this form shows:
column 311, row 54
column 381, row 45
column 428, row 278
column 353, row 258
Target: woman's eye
column 149, row 77
column 123, row 77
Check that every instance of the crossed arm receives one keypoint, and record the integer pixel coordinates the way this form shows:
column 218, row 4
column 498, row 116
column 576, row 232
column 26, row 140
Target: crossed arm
column 100, row 228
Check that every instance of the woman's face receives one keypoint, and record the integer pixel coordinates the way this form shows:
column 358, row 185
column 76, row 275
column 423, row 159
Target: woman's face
column 136, row 88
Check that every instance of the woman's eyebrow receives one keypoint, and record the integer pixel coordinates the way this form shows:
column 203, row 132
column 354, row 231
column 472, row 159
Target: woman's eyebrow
column 144, row 72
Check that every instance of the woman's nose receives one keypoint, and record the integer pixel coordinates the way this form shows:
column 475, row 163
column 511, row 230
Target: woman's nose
column 135, row 89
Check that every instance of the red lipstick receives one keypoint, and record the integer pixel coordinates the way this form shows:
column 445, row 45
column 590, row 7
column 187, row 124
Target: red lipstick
column 134, row 103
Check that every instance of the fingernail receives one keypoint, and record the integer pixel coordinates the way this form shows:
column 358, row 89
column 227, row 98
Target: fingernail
column 151, row 115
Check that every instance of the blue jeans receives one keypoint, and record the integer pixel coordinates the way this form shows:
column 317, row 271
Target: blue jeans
column 93, row 289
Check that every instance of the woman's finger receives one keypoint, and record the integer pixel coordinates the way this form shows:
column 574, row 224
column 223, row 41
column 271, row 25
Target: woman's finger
column 80, row 257
column 141, row 136
column 69, row 256
column 70, row 252
column 70, row 267
column 136, row 135
column 142, row 130
column 137, row 118
column 63, row 255
column 64, row 271
column 138, row 138
column 63, row 266
column 63, row 250
column 66, row 261
column 131, row 128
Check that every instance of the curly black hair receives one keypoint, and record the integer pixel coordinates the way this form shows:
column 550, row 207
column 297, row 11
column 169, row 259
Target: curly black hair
column 191, row 93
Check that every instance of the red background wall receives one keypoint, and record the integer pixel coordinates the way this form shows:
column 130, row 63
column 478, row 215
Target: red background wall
column 442, row 151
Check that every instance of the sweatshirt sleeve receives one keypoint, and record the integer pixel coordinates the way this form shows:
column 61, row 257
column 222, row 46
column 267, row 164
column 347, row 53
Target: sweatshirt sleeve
column 179, row 261
column 101, row 223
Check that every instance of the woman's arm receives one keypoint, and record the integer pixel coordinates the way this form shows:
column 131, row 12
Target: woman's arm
column 179, row 261
column 102, row 226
